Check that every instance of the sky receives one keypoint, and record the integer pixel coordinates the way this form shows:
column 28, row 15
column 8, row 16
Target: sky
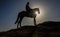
column 9, row 9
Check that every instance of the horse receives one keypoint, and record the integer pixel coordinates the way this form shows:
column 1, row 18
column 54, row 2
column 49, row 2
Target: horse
column 30, row 14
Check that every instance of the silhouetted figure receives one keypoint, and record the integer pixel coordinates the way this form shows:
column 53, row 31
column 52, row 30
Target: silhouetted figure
column 28, row 9
column 28, row 13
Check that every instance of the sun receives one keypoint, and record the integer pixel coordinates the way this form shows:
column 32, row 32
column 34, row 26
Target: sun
column 36, row 12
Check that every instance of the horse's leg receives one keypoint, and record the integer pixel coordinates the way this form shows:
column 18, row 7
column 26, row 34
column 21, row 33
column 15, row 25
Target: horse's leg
column 17, row 24
column 20, row 20
column 35, row 21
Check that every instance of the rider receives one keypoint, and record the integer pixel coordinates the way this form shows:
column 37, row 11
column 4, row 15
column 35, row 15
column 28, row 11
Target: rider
column 27, row 7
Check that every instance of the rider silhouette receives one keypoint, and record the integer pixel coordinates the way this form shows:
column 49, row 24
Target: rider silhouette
column 28, row 7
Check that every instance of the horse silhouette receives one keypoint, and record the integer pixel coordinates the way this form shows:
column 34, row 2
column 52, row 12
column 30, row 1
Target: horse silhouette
column 23, row 14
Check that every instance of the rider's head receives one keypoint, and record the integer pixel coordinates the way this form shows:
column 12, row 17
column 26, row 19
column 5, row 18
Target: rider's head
column 27, row 3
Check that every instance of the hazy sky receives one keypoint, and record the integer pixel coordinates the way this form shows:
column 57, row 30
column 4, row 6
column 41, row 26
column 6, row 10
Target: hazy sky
column 9, row 9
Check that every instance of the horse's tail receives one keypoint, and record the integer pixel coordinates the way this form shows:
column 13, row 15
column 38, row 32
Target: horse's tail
column 17, row 18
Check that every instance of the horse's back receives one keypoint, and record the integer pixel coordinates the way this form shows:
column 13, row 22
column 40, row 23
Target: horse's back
column 22, row 13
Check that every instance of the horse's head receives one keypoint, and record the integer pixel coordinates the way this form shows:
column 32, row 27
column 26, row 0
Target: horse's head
column 37, row 10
